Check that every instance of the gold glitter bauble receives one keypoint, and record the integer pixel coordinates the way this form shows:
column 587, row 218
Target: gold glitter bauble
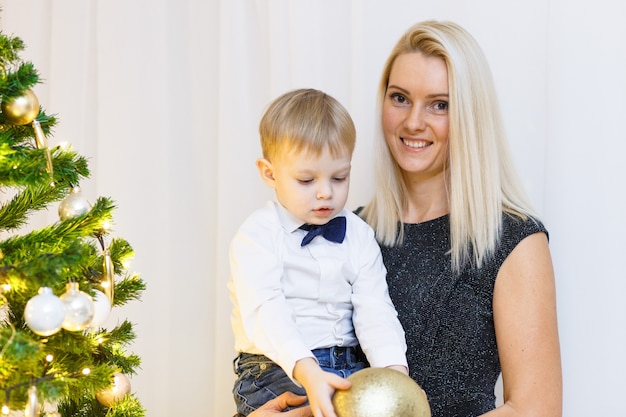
column 21, row 110
column 117, row 391
column 381, row 392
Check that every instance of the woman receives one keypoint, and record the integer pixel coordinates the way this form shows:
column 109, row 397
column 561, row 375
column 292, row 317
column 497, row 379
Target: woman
column 469, row 268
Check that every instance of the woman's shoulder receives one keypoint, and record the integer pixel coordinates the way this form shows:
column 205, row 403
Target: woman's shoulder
column 516, row 227
column 525, row 225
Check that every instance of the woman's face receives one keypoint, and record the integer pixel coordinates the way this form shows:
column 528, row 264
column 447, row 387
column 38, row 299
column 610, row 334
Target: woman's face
column 415, row 114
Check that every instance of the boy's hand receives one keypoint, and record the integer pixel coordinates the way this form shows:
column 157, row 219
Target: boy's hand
column 319, row 385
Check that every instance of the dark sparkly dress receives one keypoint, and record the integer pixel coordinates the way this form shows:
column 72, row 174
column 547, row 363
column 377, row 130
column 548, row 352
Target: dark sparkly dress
column 448, row 319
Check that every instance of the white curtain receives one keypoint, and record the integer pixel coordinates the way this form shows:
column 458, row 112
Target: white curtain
column 164, row 97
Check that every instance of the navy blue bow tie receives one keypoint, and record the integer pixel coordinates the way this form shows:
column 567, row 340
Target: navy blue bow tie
column 334, row 230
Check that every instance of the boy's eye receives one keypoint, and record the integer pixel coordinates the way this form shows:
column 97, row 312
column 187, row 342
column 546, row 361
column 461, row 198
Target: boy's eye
column 340, row 179
column 305, row 181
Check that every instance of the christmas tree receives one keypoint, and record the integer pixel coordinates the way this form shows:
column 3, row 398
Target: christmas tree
column 59, row 283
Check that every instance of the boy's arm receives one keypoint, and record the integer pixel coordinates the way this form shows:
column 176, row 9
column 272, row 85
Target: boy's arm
column 376, row 323
column 266, row 318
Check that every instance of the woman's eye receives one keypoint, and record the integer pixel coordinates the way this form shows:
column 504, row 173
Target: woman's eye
column 440, row 106
column 398, row 98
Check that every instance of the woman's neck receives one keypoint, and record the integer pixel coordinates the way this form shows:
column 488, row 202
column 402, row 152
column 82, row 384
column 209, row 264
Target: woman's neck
column 426, row 200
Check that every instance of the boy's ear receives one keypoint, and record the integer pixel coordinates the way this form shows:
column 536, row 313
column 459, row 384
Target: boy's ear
column 266, row 170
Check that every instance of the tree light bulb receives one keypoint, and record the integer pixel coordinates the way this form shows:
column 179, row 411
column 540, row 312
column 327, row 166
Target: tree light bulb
column 86, row 371
column 106, row 225
column 49, row 358
column 5, row 410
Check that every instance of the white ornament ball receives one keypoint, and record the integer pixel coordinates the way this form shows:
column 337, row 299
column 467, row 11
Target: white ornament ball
column 102, row 308
column 73, row 205
column 117, row 391
column 79, row 308
column 45, row 313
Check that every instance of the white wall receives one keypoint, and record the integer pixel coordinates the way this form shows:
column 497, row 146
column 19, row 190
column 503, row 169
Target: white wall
column 165, row 96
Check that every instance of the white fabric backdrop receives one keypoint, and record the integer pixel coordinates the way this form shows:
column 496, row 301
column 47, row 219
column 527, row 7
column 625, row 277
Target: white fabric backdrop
column 164, row 97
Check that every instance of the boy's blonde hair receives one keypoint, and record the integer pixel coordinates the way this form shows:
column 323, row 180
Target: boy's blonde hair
column 481, row 182
column 306, row 120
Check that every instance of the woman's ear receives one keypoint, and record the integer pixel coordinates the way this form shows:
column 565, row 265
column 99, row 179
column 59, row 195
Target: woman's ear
column 267, row 171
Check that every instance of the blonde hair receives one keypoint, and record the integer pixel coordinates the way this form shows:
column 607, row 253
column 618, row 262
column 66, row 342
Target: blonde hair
column 480, row 183
column 306, row 120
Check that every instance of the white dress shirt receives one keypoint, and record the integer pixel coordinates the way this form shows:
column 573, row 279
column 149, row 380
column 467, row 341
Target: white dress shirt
column 288, row 300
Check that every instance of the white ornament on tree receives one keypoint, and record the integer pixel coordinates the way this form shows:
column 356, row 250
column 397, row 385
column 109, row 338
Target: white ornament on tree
column 45, row 313
column 79, row 308
column 73, row 205
column 102, row 308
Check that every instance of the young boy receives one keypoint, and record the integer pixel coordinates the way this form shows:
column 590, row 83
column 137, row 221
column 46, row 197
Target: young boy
column 308, row 301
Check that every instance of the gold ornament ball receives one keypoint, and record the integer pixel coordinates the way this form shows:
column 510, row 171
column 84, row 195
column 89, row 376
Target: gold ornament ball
column 381, row 392
column 117, row 391
column 21, row 110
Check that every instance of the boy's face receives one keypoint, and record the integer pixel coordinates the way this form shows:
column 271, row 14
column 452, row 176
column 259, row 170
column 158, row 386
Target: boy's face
column 312, row 188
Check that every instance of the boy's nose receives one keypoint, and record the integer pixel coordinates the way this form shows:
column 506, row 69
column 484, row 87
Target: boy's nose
column 324, row 191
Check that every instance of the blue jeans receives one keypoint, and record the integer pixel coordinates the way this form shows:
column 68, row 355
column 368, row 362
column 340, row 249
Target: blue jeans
column 260, row 380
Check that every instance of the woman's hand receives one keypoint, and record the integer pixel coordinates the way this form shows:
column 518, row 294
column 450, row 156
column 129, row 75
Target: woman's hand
column 278, row 404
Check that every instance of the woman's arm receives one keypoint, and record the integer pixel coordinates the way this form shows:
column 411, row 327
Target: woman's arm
column 524, row 307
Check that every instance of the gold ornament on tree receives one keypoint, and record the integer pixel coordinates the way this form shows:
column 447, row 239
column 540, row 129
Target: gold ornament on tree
column 108, row 281
column 32, row 405
column 116, row 392
column 23, row 110
column 381, row 392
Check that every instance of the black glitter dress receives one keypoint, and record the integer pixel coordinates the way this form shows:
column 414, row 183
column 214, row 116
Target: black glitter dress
column 448, row 319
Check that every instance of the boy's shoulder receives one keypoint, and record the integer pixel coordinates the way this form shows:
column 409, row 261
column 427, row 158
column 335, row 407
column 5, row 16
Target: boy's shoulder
column 357, row 224
column 263, row 217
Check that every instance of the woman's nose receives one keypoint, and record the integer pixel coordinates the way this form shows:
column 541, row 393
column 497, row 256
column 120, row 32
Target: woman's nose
column 415, row 120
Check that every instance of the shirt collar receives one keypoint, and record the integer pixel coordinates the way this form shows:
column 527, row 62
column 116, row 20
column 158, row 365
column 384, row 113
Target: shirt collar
column 289, row 222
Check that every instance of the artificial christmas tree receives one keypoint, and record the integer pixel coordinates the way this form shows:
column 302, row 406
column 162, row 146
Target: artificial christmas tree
column 57, row 284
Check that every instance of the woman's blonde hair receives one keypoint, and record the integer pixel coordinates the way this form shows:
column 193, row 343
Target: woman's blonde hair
column 481, row 182
column 306, row 120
